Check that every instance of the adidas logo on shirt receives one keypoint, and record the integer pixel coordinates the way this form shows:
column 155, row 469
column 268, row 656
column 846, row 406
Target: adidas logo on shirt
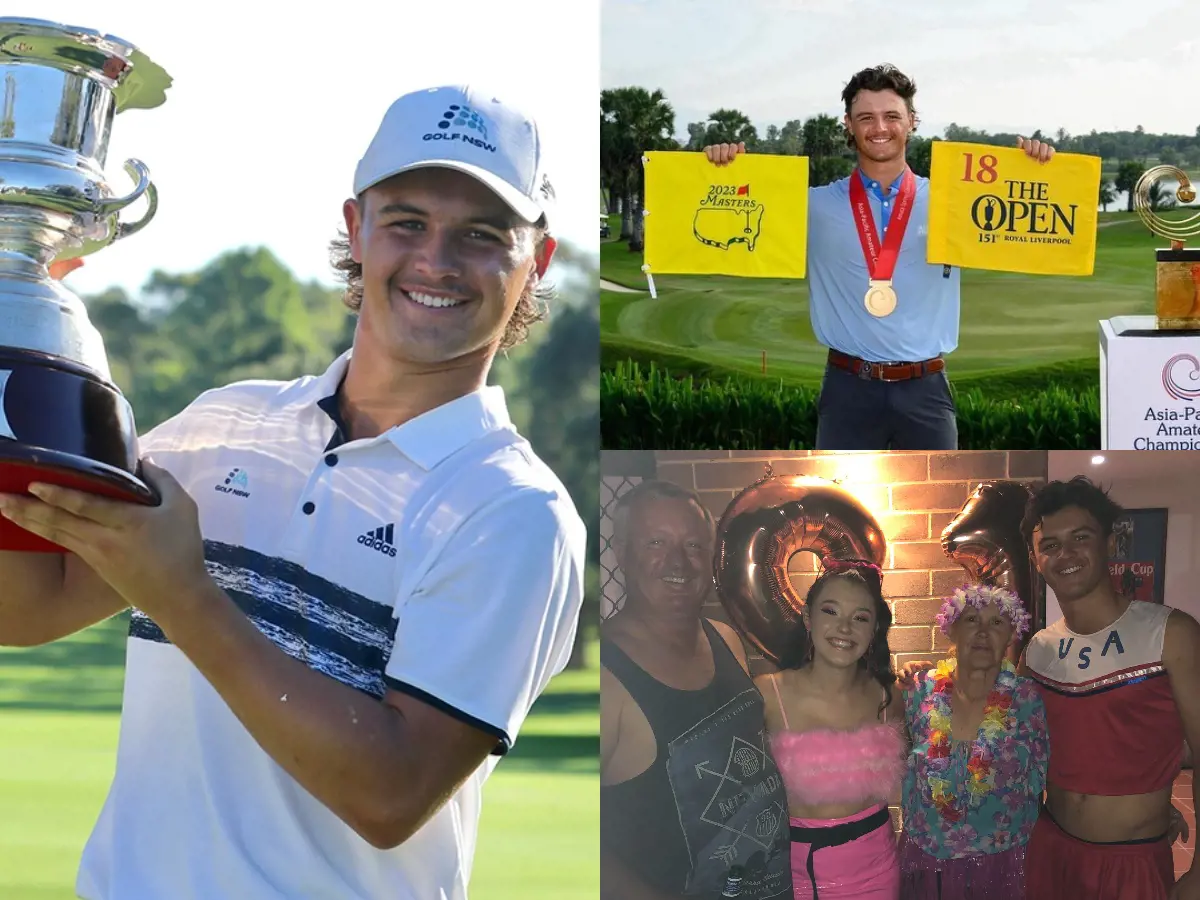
column 379, row 539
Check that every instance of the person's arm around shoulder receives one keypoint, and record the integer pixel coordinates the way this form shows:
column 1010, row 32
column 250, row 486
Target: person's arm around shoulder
column 909, row 675
column 1181, row 657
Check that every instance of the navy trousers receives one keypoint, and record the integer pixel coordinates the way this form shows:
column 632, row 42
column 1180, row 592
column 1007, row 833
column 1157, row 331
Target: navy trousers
column 854, row 413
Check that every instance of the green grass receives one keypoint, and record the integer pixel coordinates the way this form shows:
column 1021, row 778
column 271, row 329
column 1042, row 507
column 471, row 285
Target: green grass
column 1016, row 331
column 59, row 717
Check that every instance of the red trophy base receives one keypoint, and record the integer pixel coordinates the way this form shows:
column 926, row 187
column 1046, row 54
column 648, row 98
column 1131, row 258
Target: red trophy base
column 61, row 423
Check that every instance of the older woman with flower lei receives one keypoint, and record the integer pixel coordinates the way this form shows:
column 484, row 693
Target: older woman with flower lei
column 978, row 762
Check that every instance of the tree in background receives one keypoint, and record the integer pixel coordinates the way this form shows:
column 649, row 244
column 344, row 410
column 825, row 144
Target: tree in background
column 632, row 121
column 920, row 154
column 1160, row 196
column 829, row 156
column 244, row 315
column 730, row 126
column 1128, row 174
column 1107, row 194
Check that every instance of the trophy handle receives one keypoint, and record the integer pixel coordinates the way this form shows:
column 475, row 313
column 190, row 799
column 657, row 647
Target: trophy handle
column 137, row 170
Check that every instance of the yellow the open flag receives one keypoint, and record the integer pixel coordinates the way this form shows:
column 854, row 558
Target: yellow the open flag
column 748, row 218
column 996, row 208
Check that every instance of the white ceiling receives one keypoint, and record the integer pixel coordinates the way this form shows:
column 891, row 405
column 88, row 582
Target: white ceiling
column 1122, row 465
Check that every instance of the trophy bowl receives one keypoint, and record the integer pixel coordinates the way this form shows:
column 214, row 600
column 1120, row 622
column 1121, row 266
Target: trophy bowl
column 62, row 420
column 1177, row 268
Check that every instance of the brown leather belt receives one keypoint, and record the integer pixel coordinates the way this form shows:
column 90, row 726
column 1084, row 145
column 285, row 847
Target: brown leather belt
column 869, row 371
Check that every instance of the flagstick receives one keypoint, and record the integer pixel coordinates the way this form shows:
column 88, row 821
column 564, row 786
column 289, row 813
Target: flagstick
column 650, row 280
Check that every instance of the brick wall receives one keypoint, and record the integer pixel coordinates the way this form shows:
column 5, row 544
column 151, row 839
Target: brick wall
column 912, row 495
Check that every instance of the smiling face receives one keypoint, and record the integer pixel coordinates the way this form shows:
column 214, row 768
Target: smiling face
column 841, row 621
column 444, row 263
column 981, row 637
column 1071, row 552
column 880, row 123
column 667, row 556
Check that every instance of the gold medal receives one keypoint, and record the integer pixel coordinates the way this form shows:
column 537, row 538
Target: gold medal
column 881, row 298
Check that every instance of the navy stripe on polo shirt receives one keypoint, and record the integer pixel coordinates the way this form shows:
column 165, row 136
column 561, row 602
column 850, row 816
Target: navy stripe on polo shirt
column 327, row 627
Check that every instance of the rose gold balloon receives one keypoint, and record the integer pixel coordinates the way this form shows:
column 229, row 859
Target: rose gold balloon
column 985, row 539
column 761, row 529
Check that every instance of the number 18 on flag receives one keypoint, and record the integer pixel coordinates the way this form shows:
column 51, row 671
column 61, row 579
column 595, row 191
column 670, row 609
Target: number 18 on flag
column 996, row 208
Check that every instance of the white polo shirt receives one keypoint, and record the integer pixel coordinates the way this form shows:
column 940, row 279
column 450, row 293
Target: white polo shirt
column 442, row 559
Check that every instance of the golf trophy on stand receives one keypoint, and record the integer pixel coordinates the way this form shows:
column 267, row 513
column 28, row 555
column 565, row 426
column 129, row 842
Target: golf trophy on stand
column 1150, row 365
column 1177, row 270
column 62, row 420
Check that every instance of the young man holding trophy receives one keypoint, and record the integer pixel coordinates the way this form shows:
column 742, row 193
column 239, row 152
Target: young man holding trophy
column 355, row 584
column 887, row 316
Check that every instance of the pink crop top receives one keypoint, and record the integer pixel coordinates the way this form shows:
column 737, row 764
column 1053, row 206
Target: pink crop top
column 827, row 766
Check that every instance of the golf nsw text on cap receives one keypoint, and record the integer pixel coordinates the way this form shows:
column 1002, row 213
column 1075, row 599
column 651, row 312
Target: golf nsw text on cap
column 468, row 130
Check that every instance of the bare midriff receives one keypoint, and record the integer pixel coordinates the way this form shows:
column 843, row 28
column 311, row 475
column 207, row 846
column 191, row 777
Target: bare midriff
column 1129, row 817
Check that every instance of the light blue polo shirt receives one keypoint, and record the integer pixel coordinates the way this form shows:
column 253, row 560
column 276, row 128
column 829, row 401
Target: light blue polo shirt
column 925, row 322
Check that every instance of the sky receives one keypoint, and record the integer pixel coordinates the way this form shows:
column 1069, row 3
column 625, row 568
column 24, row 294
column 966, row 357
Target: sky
column 1010, row 66
column 269, row 113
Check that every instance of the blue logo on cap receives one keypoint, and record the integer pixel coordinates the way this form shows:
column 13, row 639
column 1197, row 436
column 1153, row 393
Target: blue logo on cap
column 463, row 116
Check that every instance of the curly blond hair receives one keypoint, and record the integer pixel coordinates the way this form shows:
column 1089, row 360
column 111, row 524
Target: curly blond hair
column 531, row 308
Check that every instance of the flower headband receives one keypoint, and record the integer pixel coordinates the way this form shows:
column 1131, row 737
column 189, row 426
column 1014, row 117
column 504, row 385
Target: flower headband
column 979, row 596
column 832, row 566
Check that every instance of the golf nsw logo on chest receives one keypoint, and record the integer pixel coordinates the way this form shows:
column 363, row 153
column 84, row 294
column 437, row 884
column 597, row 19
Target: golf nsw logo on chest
column 462, row 123
column 237, row 483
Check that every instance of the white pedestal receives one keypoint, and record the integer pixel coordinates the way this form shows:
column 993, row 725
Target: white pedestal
column 1149, row 386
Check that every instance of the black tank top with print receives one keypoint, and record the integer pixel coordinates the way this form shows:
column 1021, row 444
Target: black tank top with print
column 712, row 798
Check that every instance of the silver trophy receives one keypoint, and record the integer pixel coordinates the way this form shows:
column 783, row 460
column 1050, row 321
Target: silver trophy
column 62, row 420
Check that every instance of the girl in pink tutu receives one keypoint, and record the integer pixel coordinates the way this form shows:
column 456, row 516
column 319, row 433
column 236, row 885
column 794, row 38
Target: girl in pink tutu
column 835, row 733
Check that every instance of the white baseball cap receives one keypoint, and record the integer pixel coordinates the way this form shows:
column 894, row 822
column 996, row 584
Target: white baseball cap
column 467, row 129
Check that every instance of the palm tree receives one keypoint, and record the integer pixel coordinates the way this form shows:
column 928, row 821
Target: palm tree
column 1160, row 196
column 829, row 158
column 1127, row 178
column 1107, row 194
column 632, row 121
column 823, row 136
column 614, row 166
column 730, row 126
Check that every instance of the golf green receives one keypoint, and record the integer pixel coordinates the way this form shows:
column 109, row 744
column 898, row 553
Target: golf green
column 1009, row 323
column 59, row 717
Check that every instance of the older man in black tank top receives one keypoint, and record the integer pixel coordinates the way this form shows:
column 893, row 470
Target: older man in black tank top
column 689, row 788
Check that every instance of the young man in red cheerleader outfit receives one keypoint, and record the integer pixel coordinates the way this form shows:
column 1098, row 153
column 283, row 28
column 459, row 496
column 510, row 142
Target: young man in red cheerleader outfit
column 1121, row 686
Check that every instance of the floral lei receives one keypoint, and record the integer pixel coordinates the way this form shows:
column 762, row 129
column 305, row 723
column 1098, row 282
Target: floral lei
column 995, row 725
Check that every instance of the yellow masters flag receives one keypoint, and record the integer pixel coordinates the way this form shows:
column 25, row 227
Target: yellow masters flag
column 748, row 218
column 996, row 208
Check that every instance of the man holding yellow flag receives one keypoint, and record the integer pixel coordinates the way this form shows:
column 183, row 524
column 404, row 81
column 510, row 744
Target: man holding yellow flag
column 887, row 316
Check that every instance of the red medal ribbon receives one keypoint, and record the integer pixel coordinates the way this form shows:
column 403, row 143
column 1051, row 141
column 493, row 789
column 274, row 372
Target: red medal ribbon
column 881, row 263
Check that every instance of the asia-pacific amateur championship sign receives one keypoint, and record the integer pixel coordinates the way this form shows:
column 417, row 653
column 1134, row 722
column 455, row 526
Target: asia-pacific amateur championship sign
column 749, row 218
column 996, row 208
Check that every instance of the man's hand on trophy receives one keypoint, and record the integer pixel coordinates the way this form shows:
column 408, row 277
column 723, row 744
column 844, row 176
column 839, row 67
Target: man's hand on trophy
column 1039, row 150
column 60, row 270
column 153, row 556
column 723, row 154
